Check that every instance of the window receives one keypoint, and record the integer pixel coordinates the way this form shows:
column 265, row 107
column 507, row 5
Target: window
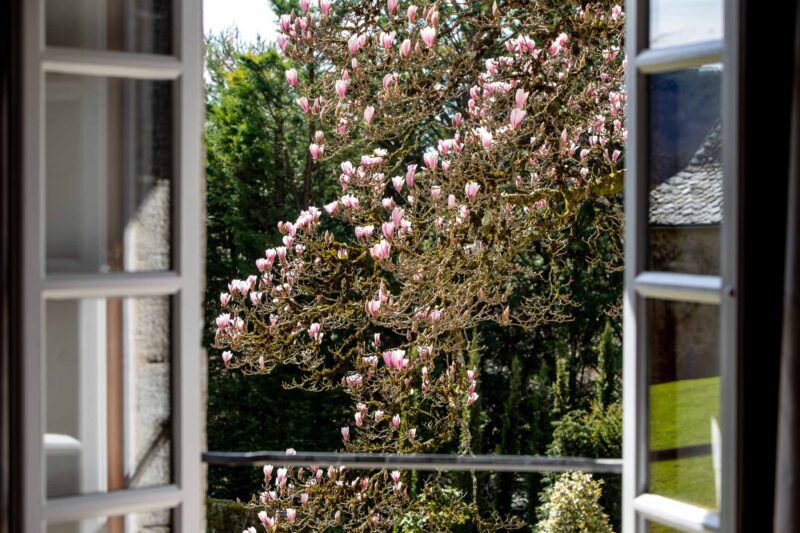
column 112, row 176
column 679, row 202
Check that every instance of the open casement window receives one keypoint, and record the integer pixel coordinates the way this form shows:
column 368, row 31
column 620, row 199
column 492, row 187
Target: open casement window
column 678, row 373
column 112, row 255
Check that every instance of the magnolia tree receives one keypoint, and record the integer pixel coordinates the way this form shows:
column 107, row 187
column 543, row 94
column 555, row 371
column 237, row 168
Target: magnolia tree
column 478, row 131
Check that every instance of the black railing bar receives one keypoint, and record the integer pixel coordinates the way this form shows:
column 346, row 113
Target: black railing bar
column 364, row 461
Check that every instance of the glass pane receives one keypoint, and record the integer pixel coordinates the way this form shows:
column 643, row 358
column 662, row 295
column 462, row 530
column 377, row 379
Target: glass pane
column 155, row 522
column 108, row 424
column 109, row 168
column 685, row 171
column 676, row 22
column 684, row 401
column 122, row 25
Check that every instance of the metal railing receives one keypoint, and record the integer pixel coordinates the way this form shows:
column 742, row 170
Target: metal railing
column 422, row 462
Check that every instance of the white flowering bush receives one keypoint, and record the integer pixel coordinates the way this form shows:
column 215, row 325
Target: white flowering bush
column 573, row 506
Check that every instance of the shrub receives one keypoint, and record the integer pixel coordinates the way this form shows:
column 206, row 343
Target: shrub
column 573, row 506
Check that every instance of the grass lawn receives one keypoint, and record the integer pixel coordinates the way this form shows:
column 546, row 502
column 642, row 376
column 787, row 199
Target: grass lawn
column 680, row 416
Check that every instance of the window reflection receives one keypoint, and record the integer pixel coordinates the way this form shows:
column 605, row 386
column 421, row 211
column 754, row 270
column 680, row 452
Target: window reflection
column 108, row 424
column 684, row 401
column 680, row 22
column 121, row 25
column 685, row 171
column 109, row 168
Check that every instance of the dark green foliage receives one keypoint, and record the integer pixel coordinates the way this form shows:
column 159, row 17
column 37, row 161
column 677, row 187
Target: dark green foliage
column 609, row 367
column 223, row 516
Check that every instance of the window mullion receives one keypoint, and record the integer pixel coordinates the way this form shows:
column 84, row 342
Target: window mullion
column 109, row 63
column 658, row 60
column 75, row 508
column 676, row 514
column 679, row 287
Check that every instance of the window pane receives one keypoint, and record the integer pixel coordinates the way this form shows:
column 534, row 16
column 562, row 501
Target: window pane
column 122, row 25
column 676, row 22
column 685, row 174
column 108, row 424
column 155, row 522
column 684, row 401
column 109, row 168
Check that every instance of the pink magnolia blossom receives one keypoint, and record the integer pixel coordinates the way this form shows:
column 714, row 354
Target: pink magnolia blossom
column 411, row 172
column 397, row 216
column 428, row 35
column 472, row 398
column 458, row 120
column 378, row 415
column 303, row 103
column 396, row 421
column 369, row 112
column 515, row 119
column 451, row 202
column 411, row 13
column 412, row 433
column 304, row 5
column 291, row 514
column 487, row 140
column 331, row 208
column 223, row 321
column 376, row 339
column 350, row 201
column 226, row 357
column 286, row 23
column 395, row 476
column 395, row 359
column 363, row 232
column 267, row 472
column 347, row 168
column 316, row 150
column 398, row 182
column 431, row 158
column 392, row 5
column 224, row 298
column 353, row 45
column 373, row 307
column 304, row 499
column 345, row 434
column 359, row 419
column 388, row 230
column 380, row 251
column 353, row 381
column 405, row 48
column 315, row 332
column 435, row 315
column 387, row 40
column 471, row 190
column 341, row 88
column 266, row 521
column 436, row 192
column 291, row 77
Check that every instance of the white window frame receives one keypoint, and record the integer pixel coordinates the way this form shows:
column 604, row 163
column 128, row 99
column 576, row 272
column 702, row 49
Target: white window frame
column 184, row 283
column 638, row 505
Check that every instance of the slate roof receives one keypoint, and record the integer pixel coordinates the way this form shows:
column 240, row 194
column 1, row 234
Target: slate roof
column 693, row 196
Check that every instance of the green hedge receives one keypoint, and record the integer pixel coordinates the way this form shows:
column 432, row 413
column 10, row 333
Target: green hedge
column 226, row 516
